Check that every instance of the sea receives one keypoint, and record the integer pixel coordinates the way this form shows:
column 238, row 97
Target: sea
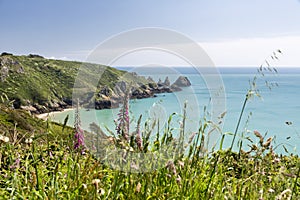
column 215, row 97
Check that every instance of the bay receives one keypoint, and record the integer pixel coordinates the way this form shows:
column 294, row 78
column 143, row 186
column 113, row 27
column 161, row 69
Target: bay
column 267, row 114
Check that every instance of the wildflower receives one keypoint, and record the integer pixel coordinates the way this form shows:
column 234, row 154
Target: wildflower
column 96, row 183
column 271, row 190
column 171, row 167
column 169, row 175
column 178, row 179
column 276, row 160
column 4, row 139
column 138, row 187
column 123, row 126
column 51, row 155
column 180, row 163
column 84, row 186
column 78, row 136
column 101, row 191
column 28, row 141
column 16, row 163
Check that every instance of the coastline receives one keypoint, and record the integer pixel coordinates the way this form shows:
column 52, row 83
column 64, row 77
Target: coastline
column 45, row 116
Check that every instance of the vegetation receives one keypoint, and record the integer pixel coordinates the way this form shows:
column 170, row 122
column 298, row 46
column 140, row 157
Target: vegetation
column 45, row 160
column 46, row 166
column 48, row 84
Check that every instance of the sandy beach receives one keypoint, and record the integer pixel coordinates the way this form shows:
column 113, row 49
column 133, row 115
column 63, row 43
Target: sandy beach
column 45, row 116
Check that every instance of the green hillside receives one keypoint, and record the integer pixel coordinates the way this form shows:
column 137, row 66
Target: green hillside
column 43, row 85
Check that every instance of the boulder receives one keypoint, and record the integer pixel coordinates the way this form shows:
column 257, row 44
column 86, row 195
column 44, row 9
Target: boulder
column 106, row 104
column 182, row 81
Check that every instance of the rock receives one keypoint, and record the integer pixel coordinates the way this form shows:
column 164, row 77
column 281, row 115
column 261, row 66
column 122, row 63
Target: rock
column 161, row 90
column 29, row 108
column 121, row 85
column 167, row 82
column 141, row 93
column 144, row 87
column 8, row 65
column 3, row 73
column 105, row 91
column 68, row 101
column 152, row 85
column 134, row 74
column 182, row 81
column 40, row 108
column 105, row 104
column 160, row 83
column 20, row 70
column 150, row 79
column 175, row 88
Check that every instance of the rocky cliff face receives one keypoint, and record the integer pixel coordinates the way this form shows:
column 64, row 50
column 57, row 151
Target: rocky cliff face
column 40, row 85
column 111, row 98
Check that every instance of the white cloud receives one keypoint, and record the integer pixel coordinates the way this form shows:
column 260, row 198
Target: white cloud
column 252, row 52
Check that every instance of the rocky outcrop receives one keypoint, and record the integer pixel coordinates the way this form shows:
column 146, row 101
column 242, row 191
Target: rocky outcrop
column 112, row 98
column 167, row 82
column 8, row 65
column 182, row 81
column 108, row 98
column 160, row 83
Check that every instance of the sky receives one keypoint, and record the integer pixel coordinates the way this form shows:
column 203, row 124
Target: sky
column 232, row 32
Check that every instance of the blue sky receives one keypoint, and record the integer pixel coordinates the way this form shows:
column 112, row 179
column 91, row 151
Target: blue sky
column 233, row 32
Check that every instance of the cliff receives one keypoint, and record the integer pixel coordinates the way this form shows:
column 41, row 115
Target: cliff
column 41, row 85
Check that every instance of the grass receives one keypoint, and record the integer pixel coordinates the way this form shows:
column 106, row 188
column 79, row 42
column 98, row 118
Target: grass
column 49, row 168
column 35, row 80
column 39, row 162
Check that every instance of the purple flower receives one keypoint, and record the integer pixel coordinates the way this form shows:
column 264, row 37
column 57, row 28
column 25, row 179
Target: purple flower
column 79, row 133
column 16, row 163
column 123, row 126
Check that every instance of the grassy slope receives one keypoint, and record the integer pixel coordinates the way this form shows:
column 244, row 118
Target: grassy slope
column 46, row 81
column 21, row 124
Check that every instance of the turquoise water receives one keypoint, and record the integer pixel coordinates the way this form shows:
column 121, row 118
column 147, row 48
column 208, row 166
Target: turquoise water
column 269, row 114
